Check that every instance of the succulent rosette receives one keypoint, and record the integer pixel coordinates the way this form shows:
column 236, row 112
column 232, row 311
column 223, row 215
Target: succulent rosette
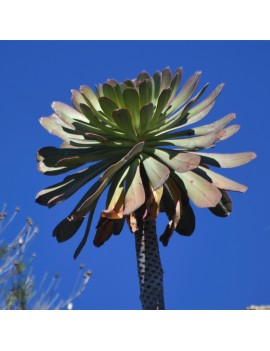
column 137, row 138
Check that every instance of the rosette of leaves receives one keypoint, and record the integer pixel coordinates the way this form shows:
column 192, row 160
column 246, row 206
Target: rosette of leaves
column 137, row 138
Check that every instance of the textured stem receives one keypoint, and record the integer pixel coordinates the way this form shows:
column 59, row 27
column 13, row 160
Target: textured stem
column 149, row 265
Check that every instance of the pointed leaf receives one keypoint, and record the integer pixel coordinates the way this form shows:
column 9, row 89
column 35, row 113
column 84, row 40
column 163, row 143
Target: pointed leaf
column 53, row 170
column 186, row 92
column 230, row 131
column 214, row 127
column 206, row 102
column 181, row 116
column 226, row 160
column 55, row 126
column 68, row 114
column 220, row 181
column 200, row 142
column 162, row 102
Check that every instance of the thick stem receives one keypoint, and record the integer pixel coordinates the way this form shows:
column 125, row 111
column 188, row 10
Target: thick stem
column 149, row 265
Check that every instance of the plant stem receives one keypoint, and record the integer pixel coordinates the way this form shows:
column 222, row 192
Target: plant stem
column 149, row 264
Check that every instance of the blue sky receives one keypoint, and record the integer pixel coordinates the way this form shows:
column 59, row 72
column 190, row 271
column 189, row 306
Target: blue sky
column 225, row 264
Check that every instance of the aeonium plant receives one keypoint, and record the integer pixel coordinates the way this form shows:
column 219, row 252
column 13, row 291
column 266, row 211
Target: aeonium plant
column 138, row 138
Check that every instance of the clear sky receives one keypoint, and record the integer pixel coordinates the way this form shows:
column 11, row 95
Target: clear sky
column 225, row 264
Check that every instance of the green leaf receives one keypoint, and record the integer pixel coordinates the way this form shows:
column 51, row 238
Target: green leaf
column 132, row 103
column 97, row 137
column 200, row 191
column 166, row 78
column 90, row 96
column 162, row 102
column 54, row 157
column 53, row 170
column 156, row 171
column 115, row 167
column 129, row 83
column 224, row 207
column 109, row 92
column 91, row 196
column 142, row 76
column 68, row 114
column 176, row 81
column 87, row 128
column 145, row 91
column 181, row 116
column 134, row 194
column 119, row 95
column 86, row 233
column 184, row 112
column 77, row 99
column 54, row 125
column 124, row 121
column 115, row 197
column 226, row 160
column 186, row 92
column 156, row 84
column 206, row 102
column 99, row 126
column 107, row 120
column 220, row 181
column 59, row 192
column 107, row 105
column 146, row 115
column 214, row 127
column 178, row 161
column 200, row 142
column 199, row 116
column 104, row 180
